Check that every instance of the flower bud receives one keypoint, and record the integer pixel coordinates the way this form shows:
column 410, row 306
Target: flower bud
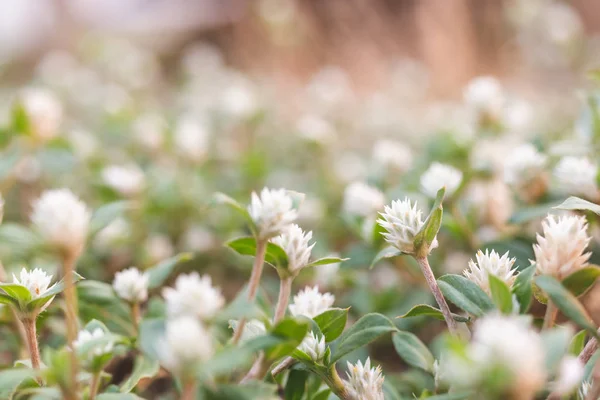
column 362, row 200
column 131, row 285
column 364, row 382
column 310, row 302
column 313, row 346
column 577, row 176
column 272, row 212
column 127, row 180
column 438, row 176
column 193, row 296
column 295, row 243
column 491, row 264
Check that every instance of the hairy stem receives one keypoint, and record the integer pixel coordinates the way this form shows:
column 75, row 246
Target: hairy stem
column 32, row 342
column 439, row 298
column 94, row 385
column 257, row 268
column 550, row 316
column 285, row 290
column 189, row 390
column 588, row 351
column 71, row 315
column 136, row 316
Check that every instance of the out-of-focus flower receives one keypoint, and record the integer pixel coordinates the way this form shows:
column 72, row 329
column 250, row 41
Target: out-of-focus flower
column 186, row 344
column 131, row 284
column 561, row 250
column 311, row 211
column 402, row 221
column 310, row 302
column 393, row 154
column 149, row 131
column 44, row 111
column 117, row 231
column 350, row 167
column 252, row 329
column 327, row 275
column 362, row 199
column 485, row 94
column 570, row 374
column 440, row 175
column 84, row 337
column 28, row 169
column 523, row 164
column 491, row 263
column 272, row 212
column 492, row 201
column 314, row 346
column 84, row 144
column 330, row 89
column 192, row 138
column 562, row 23
column 316, row 129
column 37, row 281
column 62, row 219
column 294, row 242
column 198, row 238
column 193, row 295
column 364, row 382
column 239, row 101
column 158, row 247
column 577, row 176
column 128, row 180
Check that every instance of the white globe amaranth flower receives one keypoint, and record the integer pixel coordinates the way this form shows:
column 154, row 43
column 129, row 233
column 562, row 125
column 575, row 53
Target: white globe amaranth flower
column 193, row 296
column 310, row 302
column 294, row 241
column 191, row 138
column 315, row 128
column 272, row 212
column 485, row 94
column 84, row 337
column 127, row 180
column 186, row 343
column 113, row 234
column 440, row 175
column 393, row 154
column 158, row 247
column 44, row 111
column 253, row 328
column 131, row 285
column 37, row 281
column 491, row 263
column 362, row 199
column 364, row 382
column 62, row 220
column 561, row 249
column 570, row 374
column 577, row 176
column 149, row 131
column 523, row 164
column 314, row 346
column 198, row 238
column 402, row 221
column 239, row 101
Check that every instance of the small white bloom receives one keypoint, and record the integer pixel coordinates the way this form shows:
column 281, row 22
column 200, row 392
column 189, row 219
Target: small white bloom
column 62, row 219
column 440, row 175
column 186, row 343
column 85, row 337
column 316, row 129
column 45, row 112
column 523, row 164
column 402, row 221
column 37, row 281
column 295, row 244
column 158, row 247
column 192, row 138
column 273, row 212
column 310, row 302
column 239, row 101
column 314, row 346
column 198, row 238
column 561, row 250
column 569, row 377
column 364, row 382
column 394, row 154
column 577, row 176
column 362, row 199
column 131, row 284
column 28, row 169
column 128, row 180
column 116, row 232
column 485, row 94
column 84, row 144
column 149, row 131
column 252, row 329
column 491, row 264
column 193, row 295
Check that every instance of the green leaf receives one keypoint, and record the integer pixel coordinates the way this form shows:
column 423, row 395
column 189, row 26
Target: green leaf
column 282, row 340
column 501, row 295
column 566, row 302
column 425, row 310
column 152, row 331
column 20, row 119
column 246, row 246
column 332, row 323
column 107, row 213
column 6, row 299
column 530, row 213
column 10, row 379
column 386, row 252
column 413, row 351
column 228, row 359
column 575, row 203
column 556, row 344
column 363, row 332
column 428, row 232
column 17, row 292
column 19, row 239
column 222, row 198
column 522, row 288
column 159, row 273
column 143, row 368
column 580, row 281
column 465, row 294
column 296, row 384
column 577, row 343
column 325, row 261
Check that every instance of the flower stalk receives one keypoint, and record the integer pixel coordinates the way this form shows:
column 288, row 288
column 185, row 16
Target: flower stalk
column 94, row 385
column 32, row 342
column 69, row 260
column 550, row 316
column 285, row 290
column 336, row 384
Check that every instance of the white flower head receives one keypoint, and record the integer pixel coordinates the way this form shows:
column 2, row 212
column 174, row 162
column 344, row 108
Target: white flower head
column 84, row 337
column 440, row 175
column 37, row 281
column 316, row 129
column 128, row 180
column 394, row 154
column 561, row 249
column 310, row 302
column 186, row 343
column 158, row 247
column 192, row 138
column 485, row 94
column 131, row 284
column 491, row 263
column 272, row 212
column 149, row 131
column 62, row 219
column 239, row 101
column 294, row 242
column 44, row 111
column 362, row 199
column 364, row 382
column 577, row 176
column 402, row 221
column 570, row 374
column 253, row 328
column 314, row 346
column 194, row 296
column 523, row 164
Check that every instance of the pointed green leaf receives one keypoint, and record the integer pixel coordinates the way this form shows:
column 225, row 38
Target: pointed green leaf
column 107, row 213
column 501, row 295
column 246, row 246
column 296, row 384
column 575, row 203
column 10, row 379
column 325, row 261
column 17, row 292
column 332, row 323
column 425, row 310
column 465, row 294
column 580, row 281
column 363, row 332
column 6, row 299
column 522, row 288
column 222, row 198
column 159, row 273
column 428, row 232
column 143, row 368
column 530, row 213
column 386, row 252
column 577, row 343
column 413, row 351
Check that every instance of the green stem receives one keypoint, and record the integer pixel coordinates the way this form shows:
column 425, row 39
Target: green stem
column 95, row 385
column 336, row 384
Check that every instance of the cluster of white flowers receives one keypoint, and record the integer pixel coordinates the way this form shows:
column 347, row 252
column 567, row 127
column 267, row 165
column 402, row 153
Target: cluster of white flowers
column 131, row 284
column 314, row 346
column 37, row 281
column 393, row 154
column 310, row 302
column 364, row 382
column 561, row 249
column 402, row 221
column 253, row 328
column 295, row 243
column 523, row 165
column 490, row 263
column 127, row 180
column 577, row 176
column 186, row 343
column 193, row 296
column 84, row 337
column 272, row 212
column 438, row 176
column 62, row 219
column 362, row 200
